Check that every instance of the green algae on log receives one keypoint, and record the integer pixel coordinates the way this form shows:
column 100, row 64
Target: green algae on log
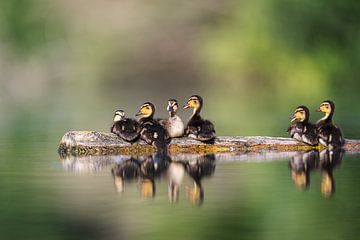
column 100, row 143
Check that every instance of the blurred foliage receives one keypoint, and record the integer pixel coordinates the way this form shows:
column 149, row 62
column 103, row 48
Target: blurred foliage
column 253, row 61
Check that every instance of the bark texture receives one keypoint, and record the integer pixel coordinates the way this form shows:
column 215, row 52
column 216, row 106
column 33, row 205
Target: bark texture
column 80, row 143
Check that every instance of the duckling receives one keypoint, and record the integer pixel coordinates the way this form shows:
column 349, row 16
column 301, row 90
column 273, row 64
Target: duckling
column 126, row 128
column 174, row 125
column 150, row 130
column 329, row 134
column 301, row 129
column 197, row 127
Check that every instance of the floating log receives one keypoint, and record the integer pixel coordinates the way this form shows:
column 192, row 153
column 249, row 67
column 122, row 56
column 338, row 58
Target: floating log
column 80, row 143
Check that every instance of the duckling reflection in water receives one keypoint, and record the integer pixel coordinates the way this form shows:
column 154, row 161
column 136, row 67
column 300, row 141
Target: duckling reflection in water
column 301, row 165
column 204, row 166
column 126, row 171
column 301, row 129
column 329, row 159
column 329, row 134
column 144, row 171
column 175, row 175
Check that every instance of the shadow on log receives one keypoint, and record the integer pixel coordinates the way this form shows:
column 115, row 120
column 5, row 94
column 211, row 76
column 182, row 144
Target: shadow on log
column 80, row 143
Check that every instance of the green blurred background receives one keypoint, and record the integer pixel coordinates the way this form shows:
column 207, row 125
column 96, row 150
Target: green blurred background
column 67, row 65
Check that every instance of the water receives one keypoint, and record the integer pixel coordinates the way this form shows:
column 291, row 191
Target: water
column 244, row 196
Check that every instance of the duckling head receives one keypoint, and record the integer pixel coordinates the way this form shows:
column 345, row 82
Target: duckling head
column 172, row 107
column 301, row 114
column 146, row 110
column 327, row 107
column 194, row 102
column 119, row 115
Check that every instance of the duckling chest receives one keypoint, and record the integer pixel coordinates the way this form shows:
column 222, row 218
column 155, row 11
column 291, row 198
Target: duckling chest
column 176, row 127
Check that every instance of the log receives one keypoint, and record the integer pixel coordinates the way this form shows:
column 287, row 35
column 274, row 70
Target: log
column 88, row 143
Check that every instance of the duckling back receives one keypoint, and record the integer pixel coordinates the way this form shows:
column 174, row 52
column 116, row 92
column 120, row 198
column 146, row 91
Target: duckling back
column 200, row 129
column 127, row 129
column 155, row 134
column 330, row 135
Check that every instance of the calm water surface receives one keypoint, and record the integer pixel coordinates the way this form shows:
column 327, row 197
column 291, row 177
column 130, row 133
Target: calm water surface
column 311, row 196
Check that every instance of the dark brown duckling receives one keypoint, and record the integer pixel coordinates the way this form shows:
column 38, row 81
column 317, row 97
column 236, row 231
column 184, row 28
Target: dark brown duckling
column 126, row 128
column 150, row 130
column 301, row 129
column 197, row 127
column 329, row 134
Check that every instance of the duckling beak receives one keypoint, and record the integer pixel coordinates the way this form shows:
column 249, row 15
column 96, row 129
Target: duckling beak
column 293, row 118
column 186, row 106
column 169, row 108
column 318, row 110
column 138, row 114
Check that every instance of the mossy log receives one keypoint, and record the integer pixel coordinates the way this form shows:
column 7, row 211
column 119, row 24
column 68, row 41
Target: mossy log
column 81, row 143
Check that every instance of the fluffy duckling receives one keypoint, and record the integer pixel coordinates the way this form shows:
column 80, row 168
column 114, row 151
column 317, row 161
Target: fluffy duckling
column 174, row 125
column 197, row 127
column 126, row 128
column 329, row 134
column 301, row 129
column 150, row 130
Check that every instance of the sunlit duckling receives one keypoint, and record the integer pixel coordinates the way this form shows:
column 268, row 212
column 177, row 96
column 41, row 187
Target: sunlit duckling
column 126, row 128
column 174, row 125
column 197, row 127
column 301, row 129
column 329, row 134
column 150, row 130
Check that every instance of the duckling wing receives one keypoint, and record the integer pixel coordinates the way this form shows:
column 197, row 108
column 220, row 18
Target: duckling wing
column 309, row 135
column 153, row 132
column 202, row 130
column 331, row 135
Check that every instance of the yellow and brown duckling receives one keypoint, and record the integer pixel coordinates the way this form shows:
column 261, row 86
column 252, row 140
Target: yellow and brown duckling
column 197, row 127
column 301, row 129
column 173, row 125
column 151, row 131
column 126, row 128
column 329, row 134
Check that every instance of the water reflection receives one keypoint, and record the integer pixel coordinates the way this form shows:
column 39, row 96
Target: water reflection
column 145, row 170
column 303, row 163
